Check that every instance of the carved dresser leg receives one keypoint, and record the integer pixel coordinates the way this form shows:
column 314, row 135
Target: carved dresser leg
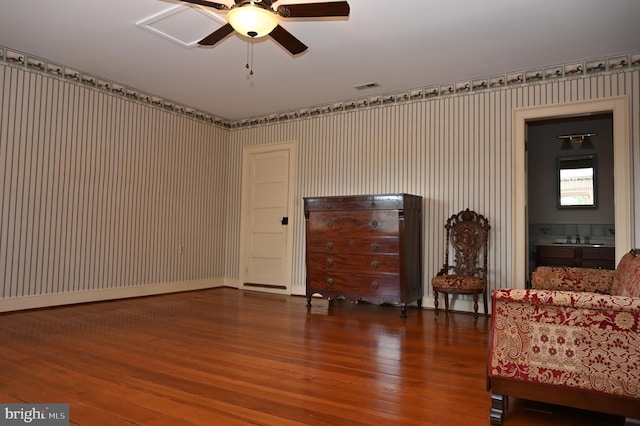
column 499, row 406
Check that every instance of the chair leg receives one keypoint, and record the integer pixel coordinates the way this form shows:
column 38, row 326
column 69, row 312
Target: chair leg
column 475, row 307
column 446, row 302
column 435, row 301
column 486, row 304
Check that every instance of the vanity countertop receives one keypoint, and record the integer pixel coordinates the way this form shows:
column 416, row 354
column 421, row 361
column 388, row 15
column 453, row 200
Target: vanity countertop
column 564, row 243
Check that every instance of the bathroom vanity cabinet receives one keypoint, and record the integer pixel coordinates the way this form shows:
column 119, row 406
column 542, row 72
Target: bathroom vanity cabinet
column 581, row 255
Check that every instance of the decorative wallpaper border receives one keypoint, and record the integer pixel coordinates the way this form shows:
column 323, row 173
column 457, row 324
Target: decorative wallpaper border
column 24, row 60
column 568, row 70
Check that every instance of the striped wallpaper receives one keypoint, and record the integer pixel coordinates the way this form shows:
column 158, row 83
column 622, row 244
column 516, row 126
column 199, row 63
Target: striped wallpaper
column 100, row 192
column 455, row 151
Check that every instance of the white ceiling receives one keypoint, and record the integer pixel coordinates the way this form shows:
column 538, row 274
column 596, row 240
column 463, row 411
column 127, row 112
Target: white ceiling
column 399, row 44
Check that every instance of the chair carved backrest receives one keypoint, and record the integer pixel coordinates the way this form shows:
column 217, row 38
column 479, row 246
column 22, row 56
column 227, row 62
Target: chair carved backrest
column 468, row 236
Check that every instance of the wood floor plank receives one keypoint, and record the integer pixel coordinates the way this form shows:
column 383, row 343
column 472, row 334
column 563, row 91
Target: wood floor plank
column 225, row 356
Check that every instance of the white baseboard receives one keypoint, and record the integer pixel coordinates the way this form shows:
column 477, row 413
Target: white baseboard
column 58, row 299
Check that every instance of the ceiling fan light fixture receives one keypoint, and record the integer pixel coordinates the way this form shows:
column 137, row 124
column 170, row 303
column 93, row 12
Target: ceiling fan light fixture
column 251, row 20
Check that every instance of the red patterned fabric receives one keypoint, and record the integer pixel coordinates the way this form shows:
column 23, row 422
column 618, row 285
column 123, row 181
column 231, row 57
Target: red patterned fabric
column 626, row 281
column 575, row 340
column 572, row 279
column 446, row 283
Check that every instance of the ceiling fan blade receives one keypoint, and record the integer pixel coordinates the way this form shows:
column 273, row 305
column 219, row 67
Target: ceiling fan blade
column 217, row 35
column 206, row 3
column 287, row 40
column 314, row 10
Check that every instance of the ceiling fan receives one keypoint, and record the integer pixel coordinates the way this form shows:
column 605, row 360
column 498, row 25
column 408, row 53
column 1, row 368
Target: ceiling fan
column 256, row 18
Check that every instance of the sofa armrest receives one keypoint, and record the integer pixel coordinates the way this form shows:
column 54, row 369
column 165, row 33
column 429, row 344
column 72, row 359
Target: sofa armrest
column 572, row 279
column 574, row 340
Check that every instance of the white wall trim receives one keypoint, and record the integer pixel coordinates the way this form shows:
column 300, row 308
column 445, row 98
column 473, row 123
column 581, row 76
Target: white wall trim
column 68, row 298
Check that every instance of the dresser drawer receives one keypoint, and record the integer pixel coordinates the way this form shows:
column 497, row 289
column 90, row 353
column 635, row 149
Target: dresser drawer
column 346, row 283
column 355, row 245
column 353, row 262
column 353, row 224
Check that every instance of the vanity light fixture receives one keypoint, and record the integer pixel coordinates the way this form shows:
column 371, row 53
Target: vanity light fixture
column 581, row 140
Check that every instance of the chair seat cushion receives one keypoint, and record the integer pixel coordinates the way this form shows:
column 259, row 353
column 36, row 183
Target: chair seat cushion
column 626, row 280
column 452, row 283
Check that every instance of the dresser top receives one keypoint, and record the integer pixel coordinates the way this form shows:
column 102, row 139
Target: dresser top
column 364, row 197
column 369, row 201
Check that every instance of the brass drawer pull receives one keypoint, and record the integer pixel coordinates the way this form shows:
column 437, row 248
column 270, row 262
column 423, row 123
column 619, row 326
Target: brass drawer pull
column 374, row 223
column 374, row 246
column 329, row 223
column 329, row 205
column 329, row 281
column 374, row 284
column 329, row 261
column 374, row 264
column 329, row 245
column 373, row 204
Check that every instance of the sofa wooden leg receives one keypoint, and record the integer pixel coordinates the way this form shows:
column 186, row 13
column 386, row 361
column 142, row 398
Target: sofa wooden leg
column 499, row 406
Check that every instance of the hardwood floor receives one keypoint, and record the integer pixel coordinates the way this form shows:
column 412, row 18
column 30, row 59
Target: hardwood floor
column 228, row 357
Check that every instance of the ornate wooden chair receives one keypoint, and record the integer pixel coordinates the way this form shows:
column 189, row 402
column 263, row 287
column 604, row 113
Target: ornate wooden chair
column 467, row 234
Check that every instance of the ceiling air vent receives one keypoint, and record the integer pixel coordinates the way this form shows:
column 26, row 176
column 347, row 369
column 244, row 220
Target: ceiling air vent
column 366, row 86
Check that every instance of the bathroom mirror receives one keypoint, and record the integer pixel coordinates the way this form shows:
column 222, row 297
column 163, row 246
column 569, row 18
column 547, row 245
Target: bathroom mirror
column 576, row 181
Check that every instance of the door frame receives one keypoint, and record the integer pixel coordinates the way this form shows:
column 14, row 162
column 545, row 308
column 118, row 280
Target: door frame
column 247, row 151
column 623, row 197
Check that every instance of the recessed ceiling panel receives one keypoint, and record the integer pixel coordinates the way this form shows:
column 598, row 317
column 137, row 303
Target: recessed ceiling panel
column 184, row 25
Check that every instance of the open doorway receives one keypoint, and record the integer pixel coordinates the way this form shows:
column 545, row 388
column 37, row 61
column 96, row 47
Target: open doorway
column 570, row 195
column 618, row 107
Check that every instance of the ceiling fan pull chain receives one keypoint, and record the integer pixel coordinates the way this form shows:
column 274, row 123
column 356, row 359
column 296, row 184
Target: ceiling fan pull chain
column 251, row 71
column 249, row 65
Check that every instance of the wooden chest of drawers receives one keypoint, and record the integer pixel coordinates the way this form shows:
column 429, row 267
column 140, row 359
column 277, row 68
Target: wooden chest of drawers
column 365, row 247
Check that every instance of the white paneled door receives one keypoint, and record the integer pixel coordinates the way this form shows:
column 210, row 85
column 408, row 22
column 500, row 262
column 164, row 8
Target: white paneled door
column 267, row 227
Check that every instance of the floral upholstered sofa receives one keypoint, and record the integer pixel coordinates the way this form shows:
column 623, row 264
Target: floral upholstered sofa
column 572, row 340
